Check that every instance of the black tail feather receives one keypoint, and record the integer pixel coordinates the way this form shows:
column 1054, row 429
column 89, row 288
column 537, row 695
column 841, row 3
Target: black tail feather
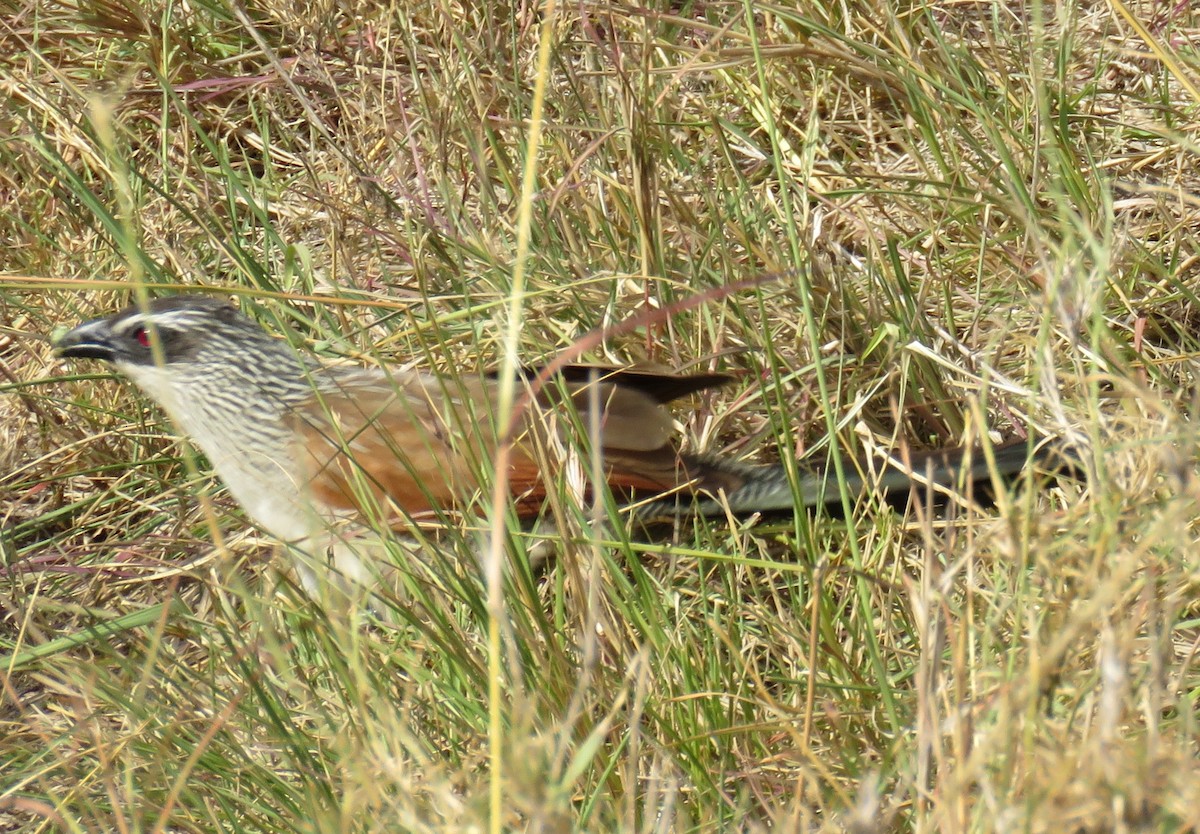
column 938, row 476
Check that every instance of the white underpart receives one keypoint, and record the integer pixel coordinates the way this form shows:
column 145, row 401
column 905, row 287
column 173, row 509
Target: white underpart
column 260, row 475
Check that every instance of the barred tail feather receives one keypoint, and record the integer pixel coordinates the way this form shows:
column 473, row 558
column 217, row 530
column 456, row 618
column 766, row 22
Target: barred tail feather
column 745, row 488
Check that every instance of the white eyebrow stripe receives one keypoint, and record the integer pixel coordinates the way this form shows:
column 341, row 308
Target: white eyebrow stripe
column 172, row 318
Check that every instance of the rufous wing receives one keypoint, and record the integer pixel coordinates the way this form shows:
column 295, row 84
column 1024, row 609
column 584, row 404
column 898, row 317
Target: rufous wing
column 408, row 444
column 385, row 445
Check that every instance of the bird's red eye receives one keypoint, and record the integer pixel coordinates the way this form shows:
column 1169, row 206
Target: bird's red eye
column 143, row 338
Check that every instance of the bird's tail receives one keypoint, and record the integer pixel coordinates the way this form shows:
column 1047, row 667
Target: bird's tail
column 725, row 486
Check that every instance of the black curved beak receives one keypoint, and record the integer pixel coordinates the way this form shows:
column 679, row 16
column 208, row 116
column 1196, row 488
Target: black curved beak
column 90, row 340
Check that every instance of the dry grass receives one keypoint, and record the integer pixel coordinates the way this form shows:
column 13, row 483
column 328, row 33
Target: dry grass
column 992, row 214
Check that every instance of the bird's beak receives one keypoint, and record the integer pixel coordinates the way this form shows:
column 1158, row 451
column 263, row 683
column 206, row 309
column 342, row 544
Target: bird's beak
column 90, row 340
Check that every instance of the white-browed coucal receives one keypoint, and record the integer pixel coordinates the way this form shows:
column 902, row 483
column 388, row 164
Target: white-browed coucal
column 306, row 447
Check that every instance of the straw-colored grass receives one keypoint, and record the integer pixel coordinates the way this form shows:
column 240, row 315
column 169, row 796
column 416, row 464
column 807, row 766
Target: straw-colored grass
column 971, row 222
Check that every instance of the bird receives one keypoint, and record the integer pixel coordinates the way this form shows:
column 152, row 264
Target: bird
column 311, row 449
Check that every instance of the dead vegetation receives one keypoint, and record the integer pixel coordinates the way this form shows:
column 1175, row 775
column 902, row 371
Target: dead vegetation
column 983, row 222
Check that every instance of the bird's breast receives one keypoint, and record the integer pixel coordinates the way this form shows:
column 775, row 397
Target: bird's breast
column 246, row 440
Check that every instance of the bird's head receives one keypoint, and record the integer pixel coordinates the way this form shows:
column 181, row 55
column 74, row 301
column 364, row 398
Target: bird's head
column 192, row 348
column 166, row 332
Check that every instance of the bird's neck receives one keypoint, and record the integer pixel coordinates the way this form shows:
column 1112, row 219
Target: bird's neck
column 238, row 418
